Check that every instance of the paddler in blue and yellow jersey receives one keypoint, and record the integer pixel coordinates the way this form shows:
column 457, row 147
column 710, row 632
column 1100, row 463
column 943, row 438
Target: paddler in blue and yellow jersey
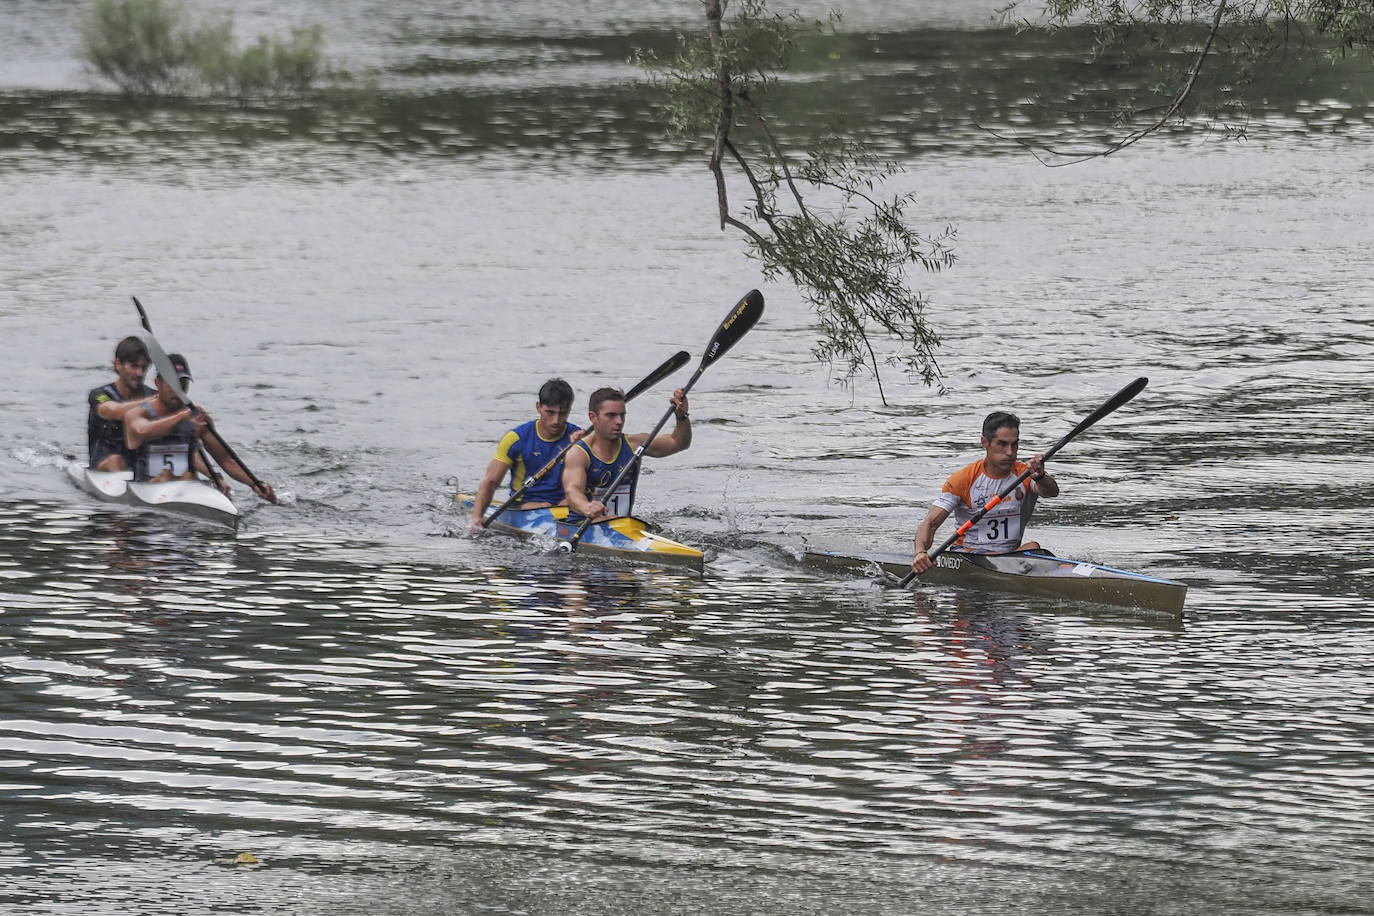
column 526, row 450
column 596, row 461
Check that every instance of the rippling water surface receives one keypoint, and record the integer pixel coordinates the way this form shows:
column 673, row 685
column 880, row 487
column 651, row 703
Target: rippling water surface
column 394, row 719
column 388, row 733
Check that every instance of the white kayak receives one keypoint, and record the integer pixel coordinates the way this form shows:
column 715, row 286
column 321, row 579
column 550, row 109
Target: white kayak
column 195, row 498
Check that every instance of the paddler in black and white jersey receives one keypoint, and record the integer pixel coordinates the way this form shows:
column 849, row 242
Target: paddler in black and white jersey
column 597, row 460
column 165, row 436
column 109, row 404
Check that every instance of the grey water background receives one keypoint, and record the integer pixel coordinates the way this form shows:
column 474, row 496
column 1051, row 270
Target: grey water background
column 394, row 719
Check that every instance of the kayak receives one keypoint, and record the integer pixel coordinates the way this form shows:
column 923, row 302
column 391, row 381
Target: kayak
column 625, row 538
column 1024, row 572
column 195, row 498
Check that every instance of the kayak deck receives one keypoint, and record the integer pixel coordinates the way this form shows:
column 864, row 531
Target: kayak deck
column 1024, row 572
column 194, row 498
column 625, row 538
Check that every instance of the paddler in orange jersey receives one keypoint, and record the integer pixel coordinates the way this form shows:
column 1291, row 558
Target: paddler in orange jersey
column 970, row 488
column 598, row 459
column 165, row 435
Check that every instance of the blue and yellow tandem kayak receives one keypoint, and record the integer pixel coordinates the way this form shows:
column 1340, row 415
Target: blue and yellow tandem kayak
column 625, row 538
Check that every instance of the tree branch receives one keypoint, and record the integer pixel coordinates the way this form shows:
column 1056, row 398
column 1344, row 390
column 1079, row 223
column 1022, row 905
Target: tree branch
column 1135, row 136
column 777, row 151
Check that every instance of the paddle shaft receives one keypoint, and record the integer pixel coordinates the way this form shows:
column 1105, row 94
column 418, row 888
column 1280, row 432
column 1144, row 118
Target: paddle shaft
column 670, row 365
column 1115, row 401
column 166, row 370
column 743, row 316
column 200, row 446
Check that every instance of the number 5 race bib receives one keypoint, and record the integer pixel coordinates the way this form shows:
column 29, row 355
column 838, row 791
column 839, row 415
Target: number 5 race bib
column 168, row 457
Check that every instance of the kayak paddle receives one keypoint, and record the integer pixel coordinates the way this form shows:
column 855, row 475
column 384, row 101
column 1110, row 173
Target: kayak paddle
column 169, row 373
column 743, row 316
column 200, row 447
column 670, row 365
column 1115, row 401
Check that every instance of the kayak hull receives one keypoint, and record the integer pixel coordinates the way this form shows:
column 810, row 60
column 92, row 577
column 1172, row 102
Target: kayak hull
column 194, row 498
column 1024, row 572
column 625, row 538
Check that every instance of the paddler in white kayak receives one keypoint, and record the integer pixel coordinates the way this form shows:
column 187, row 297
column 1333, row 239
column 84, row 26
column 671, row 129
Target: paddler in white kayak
column 109, row 404
column 970, row 488
column 165, row 435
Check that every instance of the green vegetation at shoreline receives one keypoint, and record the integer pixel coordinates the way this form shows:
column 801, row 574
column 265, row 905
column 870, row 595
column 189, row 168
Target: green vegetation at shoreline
column 151, row 48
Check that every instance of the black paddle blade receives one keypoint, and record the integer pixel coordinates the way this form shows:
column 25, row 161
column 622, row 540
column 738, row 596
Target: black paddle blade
column 742, row 317
column 671, row 365
column 142, row 315
column 1115, row 401
column 1125, row 394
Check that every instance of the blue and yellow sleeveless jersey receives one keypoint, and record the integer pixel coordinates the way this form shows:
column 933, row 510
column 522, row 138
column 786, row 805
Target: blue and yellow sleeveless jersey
column 601, row 473
column 525, row 452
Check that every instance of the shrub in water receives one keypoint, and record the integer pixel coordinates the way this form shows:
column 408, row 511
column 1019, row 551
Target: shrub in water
column 135, row 44
column 147, row 47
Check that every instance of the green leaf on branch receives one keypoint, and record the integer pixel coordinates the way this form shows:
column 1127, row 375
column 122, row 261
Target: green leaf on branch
column 811, row 214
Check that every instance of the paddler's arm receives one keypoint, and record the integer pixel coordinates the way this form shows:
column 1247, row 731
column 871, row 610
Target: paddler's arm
column 140, row 428
column 575, row 486
column 925, row 536
column 680, row 438
column 486, row 490
column 1045, row 484
column 231, row 467
column 117, row 410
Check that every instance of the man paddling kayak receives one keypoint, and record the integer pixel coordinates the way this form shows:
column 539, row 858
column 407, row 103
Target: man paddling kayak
column 600, row 458
column 165, row 435
column 971, row 488
column 109, row 404
column 526, row 450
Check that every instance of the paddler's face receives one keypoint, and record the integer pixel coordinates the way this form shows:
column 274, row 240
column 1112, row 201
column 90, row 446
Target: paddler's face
column 1001, row 450
column 167, row 396
column 609, row 420
column 131, row 373
column 552, row 420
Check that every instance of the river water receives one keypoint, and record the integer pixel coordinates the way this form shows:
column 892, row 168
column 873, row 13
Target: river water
column 392, row 718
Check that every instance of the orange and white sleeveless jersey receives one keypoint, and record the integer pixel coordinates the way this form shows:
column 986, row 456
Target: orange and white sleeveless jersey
column 969, row 489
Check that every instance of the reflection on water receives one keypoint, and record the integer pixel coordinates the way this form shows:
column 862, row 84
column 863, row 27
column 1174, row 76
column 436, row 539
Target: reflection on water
column 178, row 694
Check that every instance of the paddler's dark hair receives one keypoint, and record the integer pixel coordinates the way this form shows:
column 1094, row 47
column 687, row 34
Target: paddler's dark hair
column 998, row 419
column 131, row 349
column 601, row 396
column 556, row 393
